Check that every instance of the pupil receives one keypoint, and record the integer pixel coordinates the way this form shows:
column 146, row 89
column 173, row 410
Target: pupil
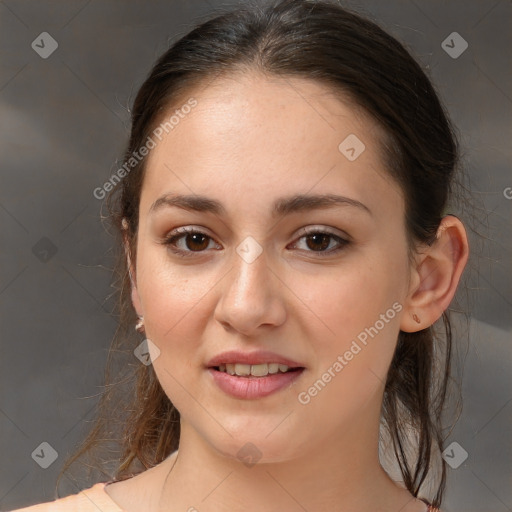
column 318, row 236
column 196, row 237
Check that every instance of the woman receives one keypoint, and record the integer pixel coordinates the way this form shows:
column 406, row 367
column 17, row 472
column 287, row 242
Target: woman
column 287, row 253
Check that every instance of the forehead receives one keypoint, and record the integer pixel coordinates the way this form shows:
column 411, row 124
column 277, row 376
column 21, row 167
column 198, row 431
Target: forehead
column 251, row 132
column 251, row 102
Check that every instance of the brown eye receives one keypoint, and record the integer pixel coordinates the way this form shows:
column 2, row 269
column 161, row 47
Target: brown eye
column 185, row 241
column 318, row 241
column 195, row 241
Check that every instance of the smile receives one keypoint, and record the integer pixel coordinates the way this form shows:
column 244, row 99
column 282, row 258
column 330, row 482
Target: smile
column 246, row 386
column 255, row 370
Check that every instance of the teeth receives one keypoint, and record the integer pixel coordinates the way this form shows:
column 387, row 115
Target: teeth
column 256, row 370
column 243, row 369
column 273, row 368
column 259, row 370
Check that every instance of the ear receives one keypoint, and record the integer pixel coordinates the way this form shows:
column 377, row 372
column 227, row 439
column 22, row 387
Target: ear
column 436, row 275
column 131, row 270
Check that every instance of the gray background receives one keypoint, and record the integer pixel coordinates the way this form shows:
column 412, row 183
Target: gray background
column 63, row 123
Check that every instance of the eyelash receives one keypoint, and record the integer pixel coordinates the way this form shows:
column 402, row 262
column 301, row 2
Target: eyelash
column 182, row 232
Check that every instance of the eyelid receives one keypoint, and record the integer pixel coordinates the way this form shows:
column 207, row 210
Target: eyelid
column 342, row 239
column 306, row 230
column 185, row 230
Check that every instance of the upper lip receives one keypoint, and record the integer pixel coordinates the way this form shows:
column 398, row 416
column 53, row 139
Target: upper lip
column 256, row 357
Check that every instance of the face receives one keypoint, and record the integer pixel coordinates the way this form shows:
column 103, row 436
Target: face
column 319, row 285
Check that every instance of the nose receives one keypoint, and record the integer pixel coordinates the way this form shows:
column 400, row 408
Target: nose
column 251, row 298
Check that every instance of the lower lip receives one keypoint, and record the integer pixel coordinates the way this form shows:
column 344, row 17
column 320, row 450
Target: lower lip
column 253, row 387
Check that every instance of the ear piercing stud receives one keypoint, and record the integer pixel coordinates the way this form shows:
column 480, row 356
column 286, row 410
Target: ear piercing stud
column 139, row 326
column 416, row 319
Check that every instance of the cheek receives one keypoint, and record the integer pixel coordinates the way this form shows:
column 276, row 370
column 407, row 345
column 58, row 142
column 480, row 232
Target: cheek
column 353, row 357
column 170, row 294
column 354, row 311
column 175, row 319
column 344, row 301
column 175, row 316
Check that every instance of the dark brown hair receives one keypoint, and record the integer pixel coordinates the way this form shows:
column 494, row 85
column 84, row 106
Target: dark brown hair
column 323, row 42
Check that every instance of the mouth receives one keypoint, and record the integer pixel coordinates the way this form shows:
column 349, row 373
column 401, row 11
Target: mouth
column 251, row 382
column 251, row 375
column 255, row 370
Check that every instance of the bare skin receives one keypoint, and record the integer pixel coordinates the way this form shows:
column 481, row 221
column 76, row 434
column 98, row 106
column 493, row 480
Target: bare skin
column 248, row 142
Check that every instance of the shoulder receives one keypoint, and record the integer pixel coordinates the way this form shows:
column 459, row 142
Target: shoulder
column 89, row 500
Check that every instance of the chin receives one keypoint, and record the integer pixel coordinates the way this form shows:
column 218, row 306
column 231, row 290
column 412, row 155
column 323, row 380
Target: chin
column 256, row 447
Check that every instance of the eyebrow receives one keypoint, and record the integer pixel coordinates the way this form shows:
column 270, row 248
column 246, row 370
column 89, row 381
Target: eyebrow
column 281, row 206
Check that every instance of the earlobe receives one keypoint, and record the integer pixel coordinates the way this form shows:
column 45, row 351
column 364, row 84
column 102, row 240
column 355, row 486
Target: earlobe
column 437, row 276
